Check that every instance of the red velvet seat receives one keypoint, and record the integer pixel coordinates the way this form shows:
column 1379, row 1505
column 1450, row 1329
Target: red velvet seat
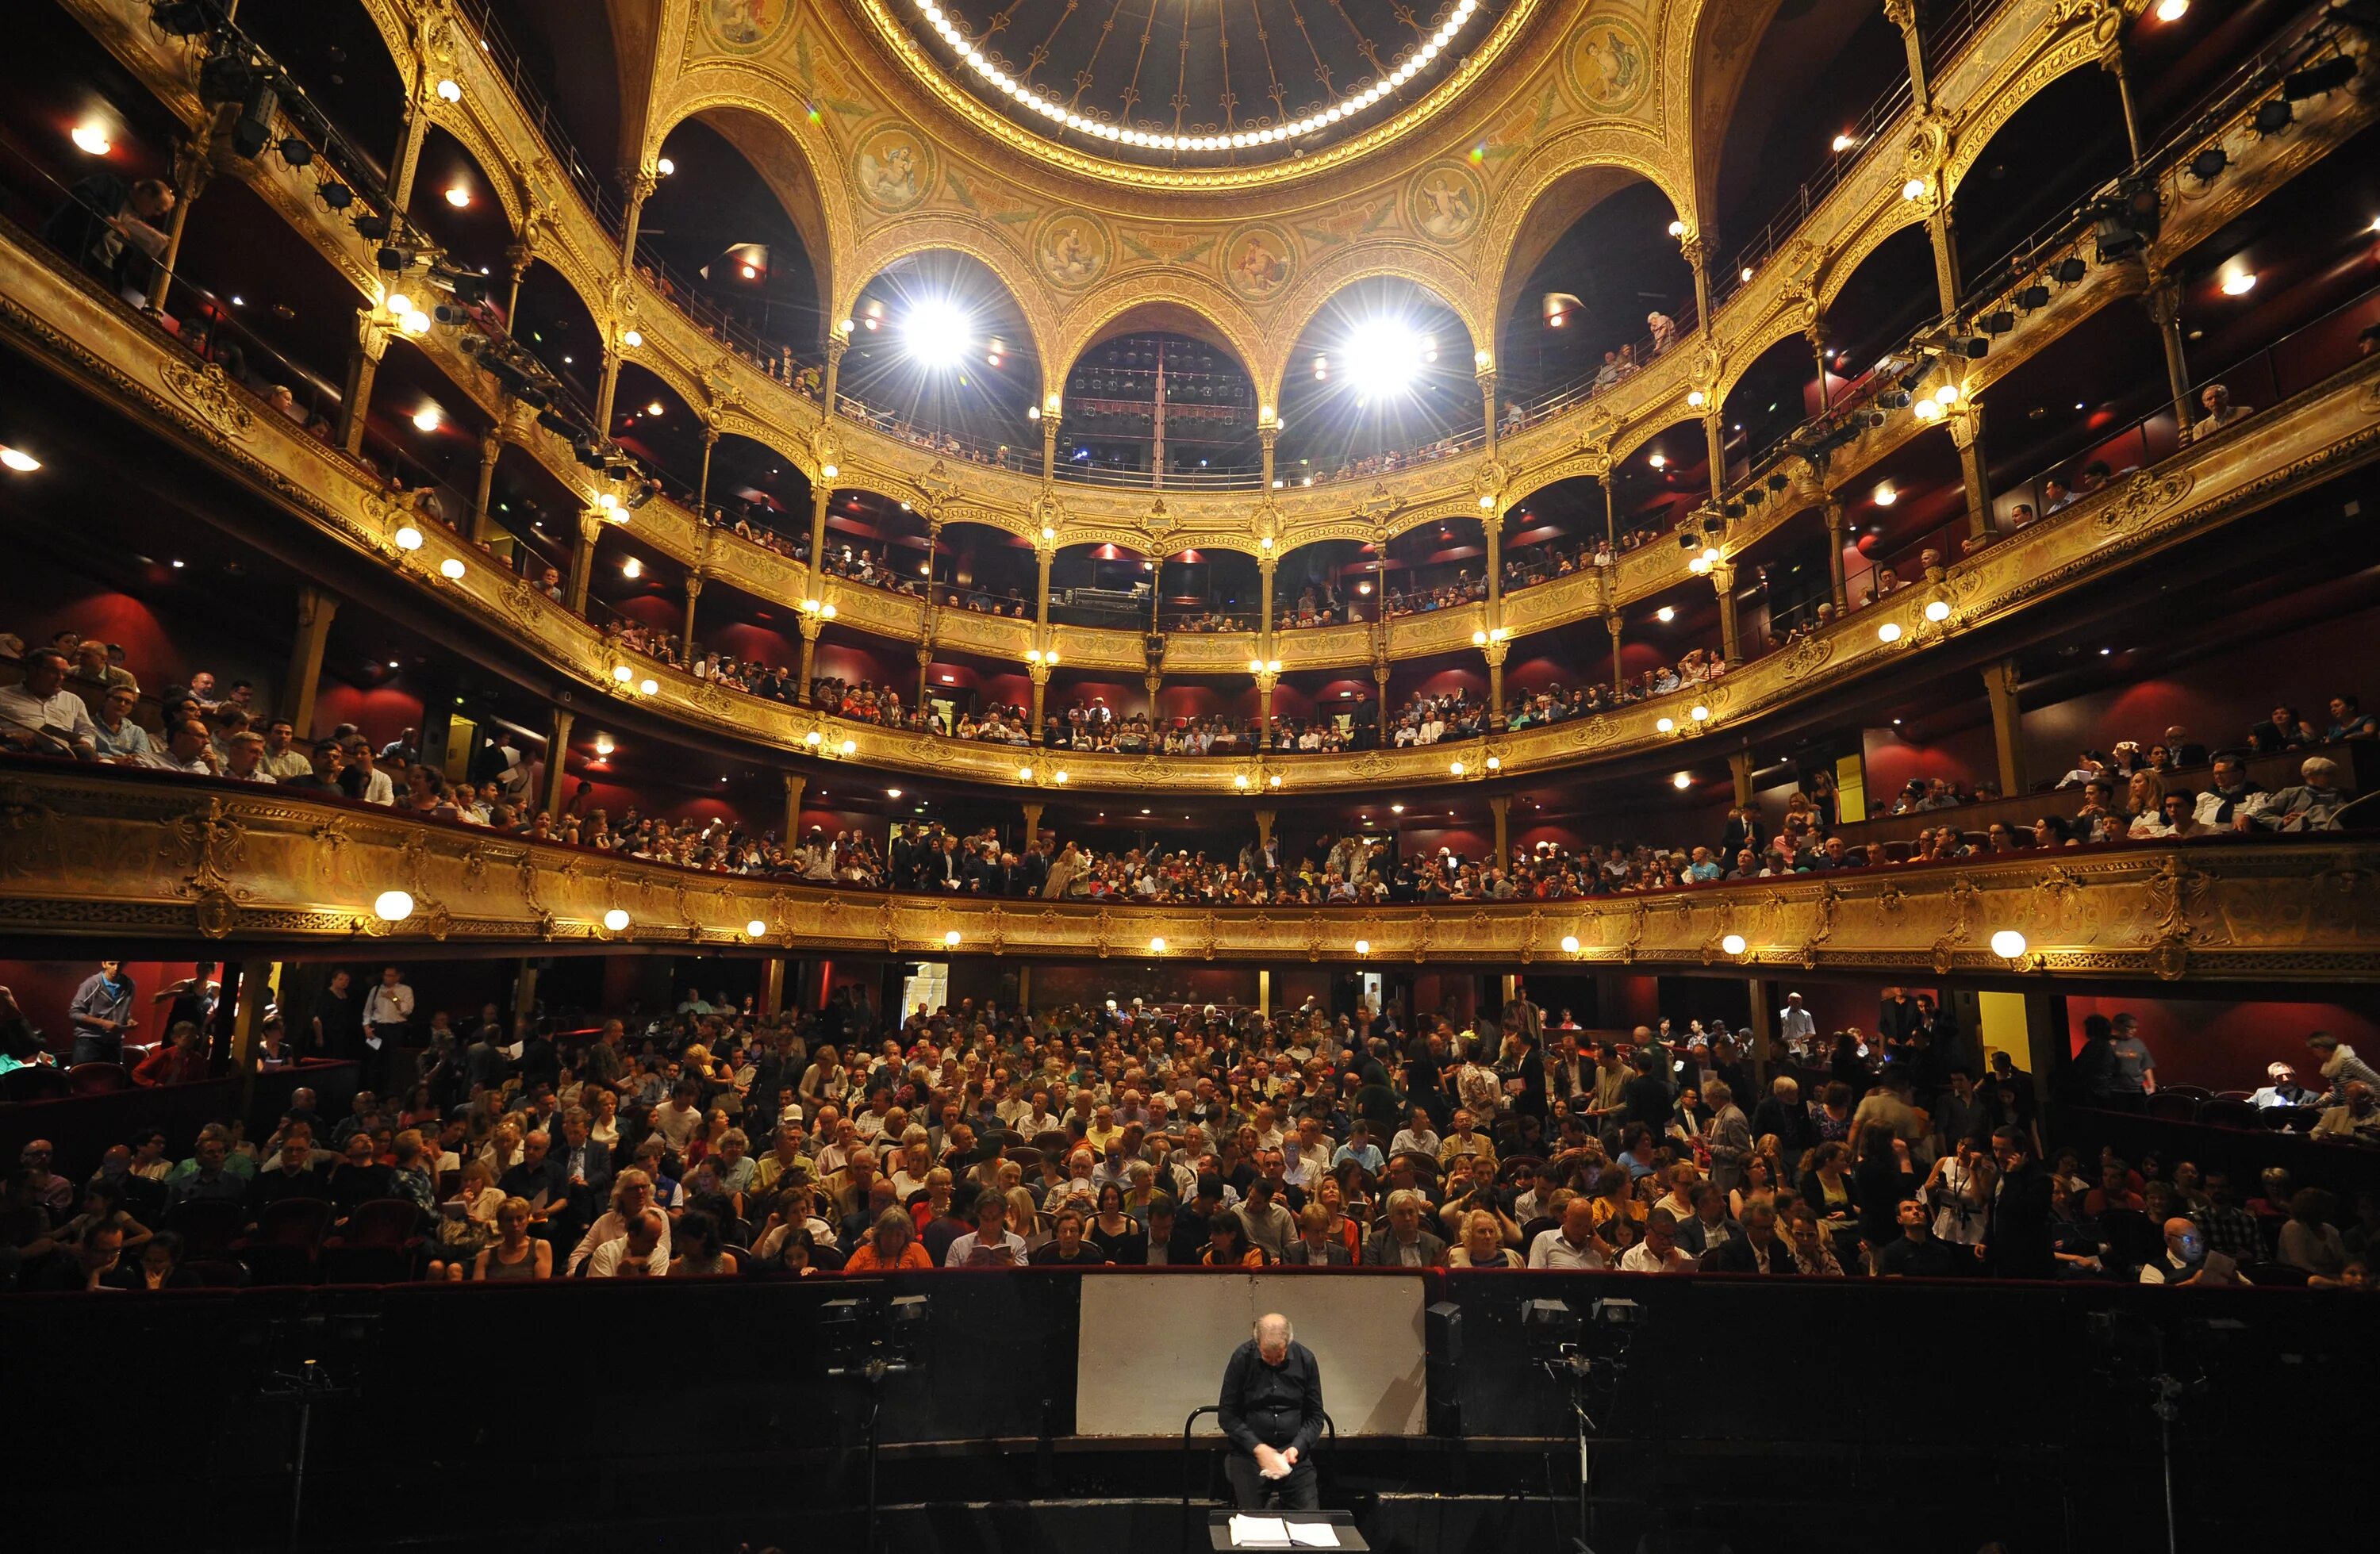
column 379, row 1245
column 288, row 1244
column 98, row 1079
column 39, row 1082
column 2171, row 1106
column 207, row 1227
column 2222, row 1113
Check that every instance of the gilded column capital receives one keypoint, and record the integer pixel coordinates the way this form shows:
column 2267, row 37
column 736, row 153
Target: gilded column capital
column 373, row 328
column 590, row 523
column 811, row 625
column 1901, row 13
column 1722, row 576
column 694, row 585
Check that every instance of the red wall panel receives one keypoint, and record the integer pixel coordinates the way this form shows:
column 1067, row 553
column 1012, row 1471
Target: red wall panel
column 2224, row 1045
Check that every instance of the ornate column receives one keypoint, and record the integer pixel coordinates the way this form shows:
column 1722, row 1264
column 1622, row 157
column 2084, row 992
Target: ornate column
column 795, row 783
column 372, row 330
column 637, row 186
column 316, row 608
column 1722, row 576
column 1268, row 433
column 925, row 662
column 2000, row 682
column 1835, row 553
column 2163, row 299
column 810, row 624
column 557, row 758
column 1040, row 675
column 702, row 483
column 1265, row 675
column 1817, row 335
column 693, row 593
column 582, row 559
column 372, row 333
column 1610, row 514
column 819, row 496
column 1487, row 378
column 1500, row 806
column 1265, row 818
column 1611, row 624
column 191, row 170
column 1053, row 408
column 519, row 257
column 1032, row 822
column 1694, row 249
column 838, row 340
column 1739, row 767
column 1494, row 650
column 2112, row 61
column 926, row 617
column 1966, row 419
column 1380, row 683
column 491, row 445
column 1045, row 551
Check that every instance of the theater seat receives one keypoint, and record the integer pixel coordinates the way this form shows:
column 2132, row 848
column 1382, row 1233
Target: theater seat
column 1897, row 851
column 2289, row 1118
column 2220, row 1113
column 379, row 1245
column 2275, row 1275
column 40, row 1082
column 2192, row 1091
column 207, row 1228
column 2168, row 1107
column 98, row 1079
column 215, row 1274
column 287, row 1243
column 826, row 1259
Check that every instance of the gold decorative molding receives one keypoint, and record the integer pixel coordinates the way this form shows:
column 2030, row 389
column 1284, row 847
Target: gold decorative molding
column 103, row 853
column 59, row 318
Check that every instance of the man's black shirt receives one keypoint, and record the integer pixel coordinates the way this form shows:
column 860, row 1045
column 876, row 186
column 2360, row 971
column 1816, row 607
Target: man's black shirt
column 1280, row 1406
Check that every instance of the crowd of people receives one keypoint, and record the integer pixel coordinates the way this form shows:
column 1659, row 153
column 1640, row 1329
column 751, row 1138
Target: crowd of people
column 713, row 1140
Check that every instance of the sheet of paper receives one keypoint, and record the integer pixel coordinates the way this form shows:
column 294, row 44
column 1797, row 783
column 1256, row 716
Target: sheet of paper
column 1313, row 1534
column 1260, row 1532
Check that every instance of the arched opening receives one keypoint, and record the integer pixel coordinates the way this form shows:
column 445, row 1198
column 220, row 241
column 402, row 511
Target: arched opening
column 940, row 356
column 1380, row 379
column 1172, row 406
column 734, row 234
column 1655, row 487
column 1777, row 393
column 1329, row 582
column 1440, row 566
column 988, row 569
column 456, row 205
column 661, row 430
column 1559, row 529
column 1880, row 305
column 1103, row 584
column 877, row 541
column 1595, row 261
column 561, row 58
column 1209, row 590
column 761, row 494
column 2038, row 169
column 554, row 322
column 1794, row 99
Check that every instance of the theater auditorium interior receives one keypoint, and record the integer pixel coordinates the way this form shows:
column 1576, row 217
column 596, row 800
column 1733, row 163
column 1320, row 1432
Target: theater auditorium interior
column 1480, row 775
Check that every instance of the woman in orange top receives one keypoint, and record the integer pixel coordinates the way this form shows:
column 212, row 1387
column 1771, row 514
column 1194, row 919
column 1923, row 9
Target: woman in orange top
column 892, row 1243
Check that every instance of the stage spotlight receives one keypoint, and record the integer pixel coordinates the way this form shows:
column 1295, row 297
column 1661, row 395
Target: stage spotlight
column 2274, row 116
column 1999, row 323
column 1383, row 358
column 936, row 333
column 2033, row 296
column 2070, row 270
column 2209, row 164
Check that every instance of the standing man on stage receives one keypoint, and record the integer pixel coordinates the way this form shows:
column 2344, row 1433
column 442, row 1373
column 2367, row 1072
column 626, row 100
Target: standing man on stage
column 1273, row 1414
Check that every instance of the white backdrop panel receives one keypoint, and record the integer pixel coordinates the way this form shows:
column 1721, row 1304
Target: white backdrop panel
column 1152, row 1348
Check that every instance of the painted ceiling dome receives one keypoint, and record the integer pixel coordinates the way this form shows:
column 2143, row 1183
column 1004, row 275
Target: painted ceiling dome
column 1200, row 83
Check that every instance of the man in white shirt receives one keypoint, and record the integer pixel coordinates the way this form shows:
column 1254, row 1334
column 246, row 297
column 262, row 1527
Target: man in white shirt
column 991, row 1244
column 41, row 716
column 642, row 1252
column 1659, row 1251
column 1795, row 1024
column 378, row 788
column 283, row 758
column 1572, row 1245
column 387, row 1009
column 187, row 749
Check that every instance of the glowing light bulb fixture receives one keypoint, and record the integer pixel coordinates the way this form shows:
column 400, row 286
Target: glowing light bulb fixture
column 1733, row 944
column 2009, row 944
column 393, row 906
column 616, row 919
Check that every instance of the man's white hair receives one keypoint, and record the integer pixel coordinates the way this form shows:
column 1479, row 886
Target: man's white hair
column 1274, row 1325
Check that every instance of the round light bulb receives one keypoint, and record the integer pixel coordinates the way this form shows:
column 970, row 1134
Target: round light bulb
column 1362, row 946
column 393, row 906
column 1938, row 611
column 451, row 569
column 1570, row 944
column 756, row 928
column 951, row 939
column 615, row 919
column 1732, row 944
column 2007, row 944
column 1663, row 725
column 1889, row 632
column 408, row 538
column 1157, row 945
column 649, row 687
